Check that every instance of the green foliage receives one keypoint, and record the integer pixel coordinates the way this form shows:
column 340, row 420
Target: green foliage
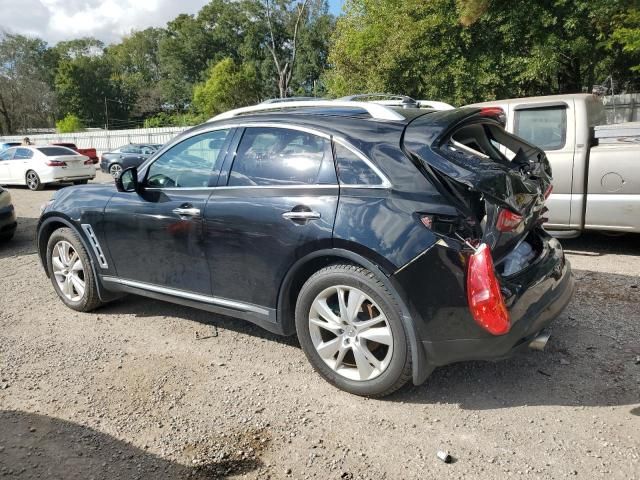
column 228, row 85
column 626, row 33
column 69, row 124
column 463, row 51
column 164, row 119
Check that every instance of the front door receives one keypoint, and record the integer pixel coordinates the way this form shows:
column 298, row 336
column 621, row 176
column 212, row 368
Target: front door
column 546, row 128
column 157, row 236
column 277, row 203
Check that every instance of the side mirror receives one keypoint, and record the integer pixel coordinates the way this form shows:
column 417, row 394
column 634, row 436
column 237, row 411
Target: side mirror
column 127, row 181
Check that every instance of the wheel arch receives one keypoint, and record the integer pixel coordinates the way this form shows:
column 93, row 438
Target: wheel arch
column 300, row 272
column 50, row 224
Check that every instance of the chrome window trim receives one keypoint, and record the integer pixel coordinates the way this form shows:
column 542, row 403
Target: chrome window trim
column 221, row 302
column 263, row 187
column 386, row 184
column 95, row 245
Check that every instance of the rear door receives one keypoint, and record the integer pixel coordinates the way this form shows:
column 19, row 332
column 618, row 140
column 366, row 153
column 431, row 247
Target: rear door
column 549, row 127
column 276, row 203
column 5, row 166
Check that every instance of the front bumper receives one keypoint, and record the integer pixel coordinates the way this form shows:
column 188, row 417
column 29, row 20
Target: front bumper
column 449, row 334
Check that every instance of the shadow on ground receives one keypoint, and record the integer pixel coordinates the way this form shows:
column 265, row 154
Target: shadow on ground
column 37, row 446
column 23, row 242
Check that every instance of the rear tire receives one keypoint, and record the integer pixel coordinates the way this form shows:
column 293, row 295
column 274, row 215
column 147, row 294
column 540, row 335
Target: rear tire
column 69, row 268
column 5, row 237
column 33, row 181
column 358, row 344
column 115, row 169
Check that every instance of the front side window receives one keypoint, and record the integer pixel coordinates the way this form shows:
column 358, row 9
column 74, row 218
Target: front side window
column 278, row 156
column 189, row 164
column 545, row 127
column 23, row 154
column 353, row 170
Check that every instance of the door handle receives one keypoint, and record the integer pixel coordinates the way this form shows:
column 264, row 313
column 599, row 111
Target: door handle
column 187, row 212
column 302, row 215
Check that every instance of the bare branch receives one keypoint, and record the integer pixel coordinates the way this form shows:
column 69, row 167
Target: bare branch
column 272, row 49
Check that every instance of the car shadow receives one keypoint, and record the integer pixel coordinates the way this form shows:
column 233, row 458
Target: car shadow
column 39, row 446
column 599, row 244
column 23, row 242
column 147, row 307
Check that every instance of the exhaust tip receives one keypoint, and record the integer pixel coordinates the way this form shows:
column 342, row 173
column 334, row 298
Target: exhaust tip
column 541, row 340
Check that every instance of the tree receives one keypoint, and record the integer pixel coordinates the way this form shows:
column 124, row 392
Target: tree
column 462, row 51
column 228, row 86
column 284, row 51
column 26, row 98
column 69, row 124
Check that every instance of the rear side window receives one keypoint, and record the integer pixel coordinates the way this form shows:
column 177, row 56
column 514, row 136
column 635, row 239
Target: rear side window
column 353, row 170
column 23, row 153
column 545, row 128
column 57, row 151
column 7, row 154
column 279, row 156
column 130, row 149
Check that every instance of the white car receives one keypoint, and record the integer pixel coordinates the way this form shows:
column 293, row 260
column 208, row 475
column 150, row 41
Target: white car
column 35, row 166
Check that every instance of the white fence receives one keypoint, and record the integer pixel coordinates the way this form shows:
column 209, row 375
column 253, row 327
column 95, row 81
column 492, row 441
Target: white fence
column 622, row 108
column 104, row 140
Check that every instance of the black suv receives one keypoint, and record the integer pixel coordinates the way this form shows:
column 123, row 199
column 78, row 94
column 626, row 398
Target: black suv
column 390, row 240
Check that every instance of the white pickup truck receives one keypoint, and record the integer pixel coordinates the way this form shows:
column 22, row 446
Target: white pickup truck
column 596, row 168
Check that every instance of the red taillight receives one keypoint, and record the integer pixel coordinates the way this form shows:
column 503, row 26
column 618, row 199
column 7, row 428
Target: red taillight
column 88, row 161
column 508, row 221
column 56, row 163
column 494, row 112
column 483, row 293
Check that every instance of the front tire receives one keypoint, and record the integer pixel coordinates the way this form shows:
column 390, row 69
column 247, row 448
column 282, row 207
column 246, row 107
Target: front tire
column 69, row 268
column 33, row 181
column 350, row 328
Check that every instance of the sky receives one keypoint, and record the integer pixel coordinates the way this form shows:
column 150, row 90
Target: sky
column 107, row 20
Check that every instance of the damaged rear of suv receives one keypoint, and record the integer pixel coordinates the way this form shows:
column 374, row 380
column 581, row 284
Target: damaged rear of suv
column 513, row 274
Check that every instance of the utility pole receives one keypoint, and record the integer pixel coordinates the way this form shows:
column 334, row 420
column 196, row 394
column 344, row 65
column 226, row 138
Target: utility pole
column 106, row 114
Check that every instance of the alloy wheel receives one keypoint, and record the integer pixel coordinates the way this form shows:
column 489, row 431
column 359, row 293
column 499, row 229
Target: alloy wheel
column 115, row 170
column 32, row 180
column 68, row 270
column 351, row 333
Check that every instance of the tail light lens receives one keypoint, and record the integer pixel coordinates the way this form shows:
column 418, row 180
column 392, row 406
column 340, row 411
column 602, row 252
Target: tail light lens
column 88, row 161
column 494, row 112
column 483, row 293
column 508, row 221
column 56, row 163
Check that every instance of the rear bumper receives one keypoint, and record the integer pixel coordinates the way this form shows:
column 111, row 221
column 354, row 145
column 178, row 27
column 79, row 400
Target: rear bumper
column 8, row 222
column 436, row 290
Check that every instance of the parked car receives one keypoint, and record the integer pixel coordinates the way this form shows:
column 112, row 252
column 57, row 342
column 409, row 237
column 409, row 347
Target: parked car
column 131, row 155
column 5, row 145
column 378, row 234
column 596, row 179
column 88, row 152
column 37, row 166
column 8, row 223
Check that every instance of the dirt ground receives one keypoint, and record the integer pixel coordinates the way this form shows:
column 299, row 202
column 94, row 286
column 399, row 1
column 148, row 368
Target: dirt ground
column 146, row 389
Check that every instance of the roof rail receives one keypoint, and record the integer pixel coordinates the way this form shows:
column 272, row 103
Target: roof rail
column 392, row 99
column 377, row 111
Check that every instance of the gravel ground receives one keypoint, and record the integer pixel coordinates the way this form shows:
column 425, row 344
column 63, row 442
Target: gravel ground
column 146, row 389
